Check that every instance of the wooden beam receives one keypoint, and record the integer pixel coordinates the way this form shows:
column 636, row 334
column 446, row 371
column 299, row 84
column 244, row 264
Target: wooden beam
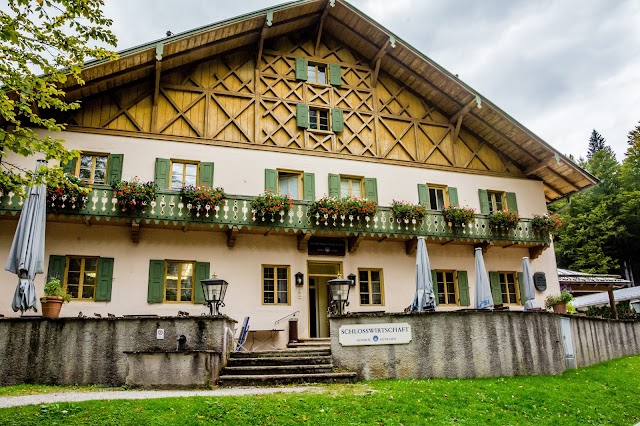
column 612, row 304
column 268, row 21
column 484, row 246
column 303, row 240
column 156, row 96
column 541, row 165
column 535, row 252
column 86, row 220
column 456, row 131
column 232, row 234
column 135, row 232
column 559, row 176
column 320, row 26
column 354, row 243
column 465, row 109
column 376, row 63
column 410, row 246
column 447, row 242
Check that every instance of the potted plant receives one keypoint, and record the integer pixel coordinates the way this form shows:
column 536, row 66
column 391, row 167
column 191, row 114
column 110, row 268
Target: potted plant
column 202, row 199
column 326, row 208
column 504, row 220
column 559, row 301
column 269, row 205
column 54, row 296
column 546, row 224
column 458, row 217
column 134, row 196
column 345, row 208
column 359, row 208
column 67, row 194
column 404, row 211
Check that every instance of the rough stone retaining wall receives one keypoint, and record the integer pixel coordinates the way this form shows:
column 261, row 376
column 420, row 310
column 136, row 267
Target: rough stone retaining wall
column 69, row 351
column 482, row 344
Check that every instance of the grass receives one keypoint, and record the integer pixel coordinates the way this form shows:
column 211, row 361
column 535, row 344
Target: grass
column 603, row 394
column 22, row 390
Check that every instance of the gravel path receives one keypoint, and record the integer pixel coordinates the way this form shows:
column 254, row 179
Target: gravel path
column 48, row 398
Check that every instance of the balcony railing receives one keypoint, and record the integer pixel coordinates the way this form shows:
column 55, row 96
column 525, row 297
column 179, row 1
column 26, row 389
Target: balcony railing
column 236, row 211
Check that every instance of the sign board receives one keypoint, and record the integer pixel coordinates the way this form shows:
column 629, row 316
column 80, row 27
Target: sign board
column 160, row 334
column 540, row 281
column 326, row 246
column 374, row 334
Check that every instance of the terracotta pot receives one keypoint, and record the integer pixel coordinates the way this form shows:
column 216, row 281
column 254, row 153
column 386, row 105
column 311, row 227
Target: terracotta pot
column 560, row 308
column 51, row 306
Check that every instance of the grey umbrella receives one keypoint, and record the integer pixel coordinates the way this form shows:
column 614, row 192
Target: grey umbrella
column 424, row 298
column 529, row 293
column 484, row 299
column 26, row 258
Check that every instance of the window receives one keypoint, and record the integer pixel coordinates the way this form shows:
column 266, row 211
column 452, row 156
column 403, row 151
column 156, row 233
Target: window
column 437, row 197
column 351, row 187
column 275, row 285
column 80, row 277
column 290, row 183
column 496, row 201
column 93, row 168
column 447, row 287
column 178, row 281
column 183, row 174
column 509, row 289
column 318, row 119
column 370, row 286
column 317, row 73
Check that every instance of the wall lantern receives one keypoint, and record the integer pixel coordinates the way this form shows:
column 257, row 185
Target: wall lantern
column 352, row 278
column 299, row 279
column 214, row 291
column 339, row 290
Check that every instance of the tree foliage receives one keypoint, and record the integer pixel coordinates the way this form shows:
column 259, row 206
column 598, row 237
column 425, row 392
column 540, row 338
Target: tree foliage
column 597, row 143
column 43, row 43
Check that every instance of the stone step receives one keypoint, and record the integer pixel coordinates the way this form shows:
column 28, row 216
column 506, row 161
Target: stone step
column 313, row 351
column 310, row 344
column 283, row 379
column 276, row 369
column 287, row 360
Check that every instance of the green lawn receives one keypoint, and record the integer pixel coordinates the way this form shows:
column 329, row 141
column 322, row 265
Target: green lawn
column 608, row 393
column 20, row 390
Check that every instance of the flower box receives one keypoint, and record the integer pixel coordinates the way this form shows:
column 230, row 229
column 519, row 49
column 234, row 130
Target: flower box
column 406, row 212
column 503, row 220
column 458, row 217
column 134, row 196
column 66, row 195
column 545, row 224
column 269, row 206
column 333, row 210
column 200, row 200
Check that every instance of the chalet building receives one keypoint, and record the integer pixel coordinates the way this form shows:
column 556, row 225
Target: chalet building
column 308, row 99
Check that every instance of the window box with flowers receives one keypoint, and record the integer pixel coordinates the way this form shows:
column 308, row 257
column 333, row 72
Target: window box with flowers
column 503, row 220
column 545, row 224
column 270, row 206
column 66, row 195
column 458, row 217
column 200, row 200
column 133, row 196
column 406, row 212
column 334, row 210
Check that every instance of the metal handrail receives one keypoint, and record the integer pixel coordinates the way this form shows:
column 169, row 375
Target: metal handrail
column 287, row 316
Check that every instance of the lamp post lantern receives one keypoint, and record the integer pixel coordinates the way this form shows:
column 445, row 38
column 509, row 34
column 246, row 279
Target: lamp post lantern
column 339, row 290
column 214, row 291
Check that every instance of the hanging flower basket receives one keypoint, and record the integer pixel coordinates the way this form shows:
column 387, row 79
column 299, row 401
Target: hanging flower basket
column 66, row 195
column 503, row 220
column 458, row 217
column 200, row 200
column 270, row 206
column 134, row 196
column 546, row 224
column 338, row 210
column 406, row 212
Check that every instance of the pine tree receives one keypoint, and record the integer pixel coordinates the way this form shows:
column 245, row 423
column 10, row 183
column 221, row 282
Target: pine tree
column 597, row 143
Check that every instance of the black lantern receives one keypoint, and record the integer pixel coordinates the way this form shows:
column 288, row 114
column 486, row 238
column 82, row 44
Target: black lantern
column 299, row 279
column 214, row 290
column 352, row 278
column 339, row 290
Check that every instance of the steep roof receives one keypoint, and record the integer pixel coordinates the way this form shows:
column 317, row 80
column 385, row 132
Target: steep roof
column 444, row 91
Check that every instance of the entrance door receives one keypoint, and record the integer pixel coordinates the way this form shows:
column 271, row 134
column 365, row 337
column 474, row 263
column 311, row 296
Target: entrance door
column 319, row 273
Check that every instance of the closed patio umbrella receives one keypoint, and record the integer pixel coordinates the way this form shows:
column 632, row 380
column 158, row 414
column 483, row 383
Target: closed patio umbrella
column 26, row 258
column 424, row 298
column 529, row 293
column 484, row 299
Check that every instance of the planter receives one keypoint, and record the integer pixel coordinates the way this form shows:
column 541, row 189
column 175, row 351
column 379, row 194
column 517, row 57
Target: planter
column 51, row 306
column 560, row 308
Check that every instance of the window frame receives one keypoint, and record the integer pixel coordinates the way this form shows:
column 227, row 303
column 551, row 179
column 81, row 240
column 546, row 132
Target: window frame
column 369, row 289
column 184, row 163
column 319, row 109
column 445, row 195
column 455, row 284
column 315, row 65
column 289, row 173
column 352, row 178
column 178, row 288
column 491, row 196
column 516, row 285
column 275, row 285
column 93, row 156
column 81, row 280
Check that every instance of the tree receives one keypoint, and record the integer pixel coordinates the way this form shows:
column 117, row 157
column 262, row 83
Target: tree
column 631, row 165
column 597, row 143
column 42, row 44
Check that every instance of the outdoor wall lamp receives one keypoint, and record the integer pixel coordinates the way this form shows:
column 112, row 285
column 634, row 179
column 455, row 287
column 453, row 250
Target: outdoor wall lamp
column 299, row 279
column 214, row 291
column 352, row 278
column 339, row 290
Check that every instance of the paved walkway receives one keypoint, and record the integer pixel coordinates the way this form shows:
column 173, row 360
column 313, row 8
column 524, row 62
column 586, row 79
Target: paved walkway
column 48, row 398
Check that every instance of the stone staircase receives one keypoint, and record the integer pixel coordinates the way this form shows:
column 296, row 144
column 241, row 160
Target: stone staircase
column 308, row 361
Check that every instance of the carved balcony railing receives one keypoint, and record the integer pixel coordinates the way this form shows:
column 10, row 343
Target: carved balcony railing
column 236, row 212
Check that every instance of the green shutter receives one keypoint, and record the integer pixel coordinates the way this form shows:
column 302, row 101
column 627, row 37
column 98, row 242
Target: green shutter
column 70, row 166
column 57, row 265
column 206, row 174
column 271, row 181
column 334, row 185
column 371, row 189
column 463, row 288
column 496, row 291
column 309, row 186
column 512, row 204
column 114, row 172
column 155, row 291
column 105, row 279
column 434, row 277
column 202, row 273
column 162, row 175
column 302, row 115
column 335, row 75
column 453, row 197
column 484, row 201
column 337, row 123
column 423, row 194
column 521, row 287
column 301, row 69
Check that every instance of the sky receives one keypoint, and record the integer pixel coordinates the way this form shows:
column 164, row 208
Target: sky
column 561, row 68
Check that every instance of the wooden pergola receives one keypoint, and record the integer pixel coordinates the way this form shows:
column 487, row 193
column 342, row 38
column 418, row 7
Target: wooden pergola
column 580, row 284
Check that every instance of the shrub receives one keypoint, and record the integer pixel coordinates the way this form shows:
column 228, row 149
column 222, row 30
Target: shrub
column 66, row 194
column 504, row 220
column 408, row 212
column 269, row 204
column 134, row 195
column 202, row 198
column 458, row 216
column 546, row 224
column 563, row 297
column 54, row 288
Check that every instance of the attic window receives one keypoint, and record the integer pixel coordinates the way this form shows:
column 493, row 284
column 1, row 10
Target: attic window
column 317, row 73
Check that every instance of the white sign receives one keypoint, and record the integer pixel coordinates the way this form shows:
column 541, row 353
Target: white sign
column 375, row 334
column 160, row 334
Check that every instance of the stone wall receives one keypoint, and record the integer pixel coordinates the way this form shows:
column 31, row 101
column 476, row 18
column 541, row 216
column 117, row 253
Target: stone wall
column 482, row 344
column 82, row 351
